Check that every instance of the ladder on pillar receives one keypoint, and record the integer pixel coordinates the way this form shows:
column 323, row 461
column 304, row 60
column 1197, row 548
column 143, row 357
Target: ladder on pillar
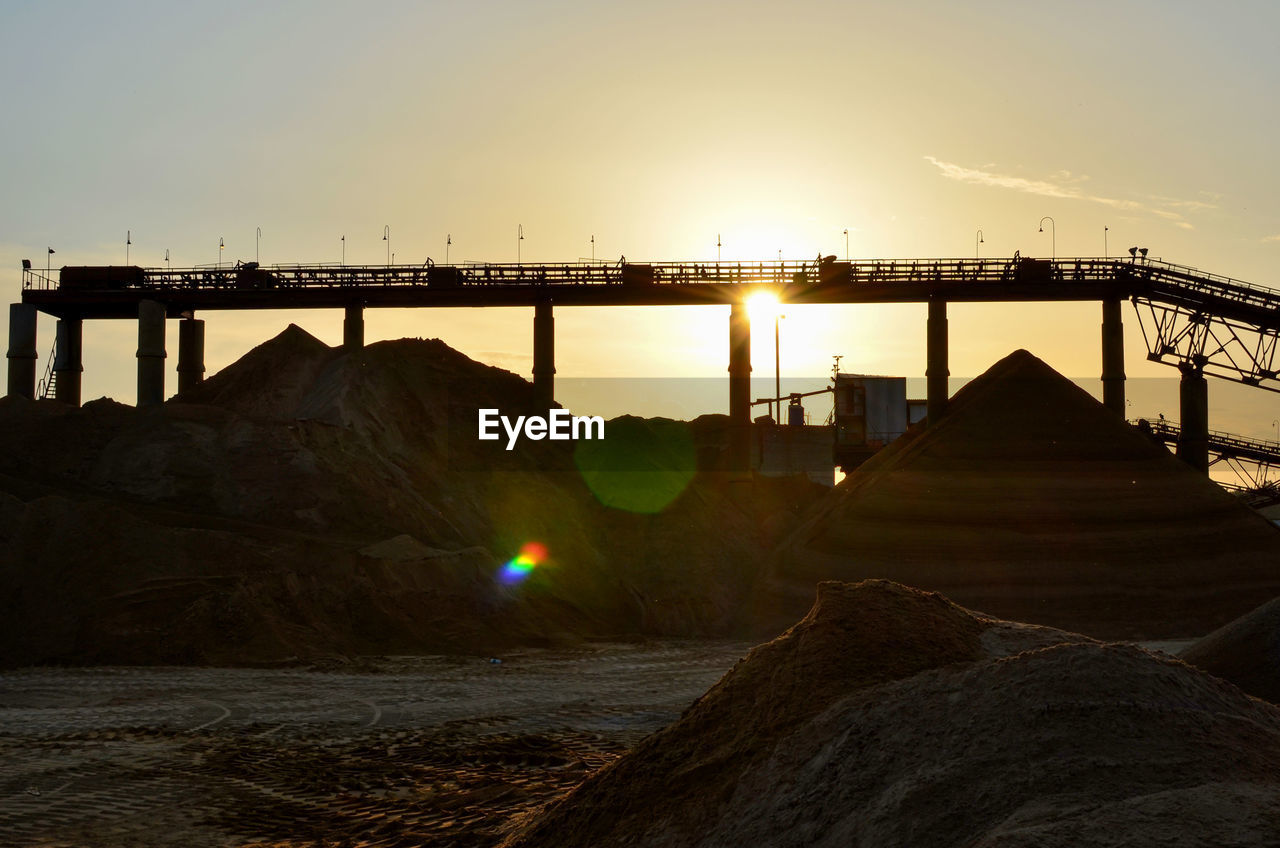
column 45, row 390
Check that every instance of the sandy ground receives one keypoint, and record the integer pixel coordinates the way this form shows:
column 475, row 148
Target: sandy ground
column 388, row 752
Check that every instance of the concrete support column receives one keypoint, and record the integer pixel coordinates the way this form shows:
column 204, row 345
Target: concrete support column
column 190, row 353
column 1112, row 357
column 151, row 353
column 353, row 327
column 544, row 355
column 739, row 388
column 1193, row 441
column 936, row 371
column 22, row 350
column 68, row 362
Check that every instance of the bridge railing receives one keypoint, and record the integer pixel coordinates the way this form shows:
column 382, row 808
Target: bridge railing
column 775, row 272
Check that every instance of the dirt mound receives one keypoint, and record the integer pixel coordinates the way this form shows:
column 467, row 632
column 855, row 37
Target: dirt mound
column 269, row 381
column 309, row 500
column 1245, row 652
column 887, row 717
column 1032, row 501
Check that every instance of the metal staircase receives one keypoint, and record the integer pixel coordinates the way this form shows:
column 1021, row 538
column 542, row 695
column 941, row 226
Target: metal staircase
column 46, row 389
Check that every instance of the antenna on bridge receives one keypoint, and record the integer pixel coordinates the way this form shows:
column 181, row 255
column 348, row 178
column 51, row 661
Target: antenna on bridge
column 835, row 367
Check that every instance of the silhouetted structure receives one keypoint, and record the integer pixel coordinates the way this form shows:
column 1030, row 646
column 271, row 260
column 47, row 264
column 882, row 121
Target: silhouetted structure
column 1202, row 323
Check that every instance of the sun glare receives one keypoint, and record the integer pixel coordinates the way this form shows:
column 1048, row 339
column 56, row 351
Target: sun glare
column 762, row 306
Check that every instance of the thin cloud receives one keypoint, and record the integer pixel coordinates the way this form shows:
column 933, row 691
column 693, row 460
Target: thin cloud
column 1266, row 239
column 1065, row 185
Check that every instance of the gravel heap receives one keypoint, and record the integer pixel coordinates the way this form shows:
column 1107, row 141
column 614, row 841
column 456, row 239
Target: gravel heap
column 1032, row 501
column 891, row 717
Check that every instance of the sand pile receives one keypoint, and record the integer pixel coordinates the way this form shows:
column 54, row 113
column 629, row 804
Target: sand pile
column 1245, row 652
column 1031, row 501
column 306, row 500
column 269, row 381
column 890, row 717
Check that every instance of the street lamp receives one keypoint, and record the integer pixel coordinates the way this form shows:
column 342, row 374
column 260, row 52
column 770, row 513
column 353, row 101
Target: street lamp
column 128, row 240
column 977, row 240
column 593, row 247
column 448, row 240
column 846, row 244
column 777, row 365
column 221, row 245
column 386, row 236
column 1105, row 252
column 344, row 250
column 166, row 259
column 1053, row 236
column 519, row 238
column 717, row 249
column 257, row 245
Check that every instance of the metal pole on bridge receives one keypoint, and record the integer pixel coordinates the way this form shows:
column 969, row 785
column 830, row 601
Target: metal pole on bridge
column 1053, row 235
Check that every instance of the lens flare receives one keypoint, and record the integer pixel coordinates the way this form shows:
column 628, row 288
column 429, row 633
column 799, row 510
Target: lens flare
column 522, row 564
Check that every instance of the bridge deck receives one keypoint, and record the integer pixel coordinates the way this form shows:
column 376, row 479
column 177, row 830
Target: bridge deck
column 114, row 293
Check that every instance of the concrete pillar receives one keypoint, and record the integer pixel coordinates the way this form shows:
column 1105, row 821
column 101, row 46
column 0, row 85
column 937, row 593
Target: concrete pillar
column 544, row 355
column 151, row 353
column 190, row 353
column 1193, row 441
column 936, row 371
column 68, row 362
column 739, row 388
column 1112, row 357
column 353, row 327
column 22, row 350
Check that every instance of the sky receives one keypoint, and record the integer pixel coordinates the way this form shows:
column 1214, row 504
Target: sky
column 657, row 128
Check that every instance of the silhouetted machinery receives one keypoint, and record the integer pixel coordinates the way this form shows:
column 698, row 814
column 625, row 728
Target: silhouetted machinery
column 870, row 412
column 635, row 274
column 250, row 276
column 1028, row 270
column 99, row 277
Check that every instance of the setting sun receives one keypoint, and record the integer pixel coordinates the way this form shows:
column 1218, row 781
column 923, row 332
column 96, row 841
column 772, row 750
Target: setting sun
column 763, row 306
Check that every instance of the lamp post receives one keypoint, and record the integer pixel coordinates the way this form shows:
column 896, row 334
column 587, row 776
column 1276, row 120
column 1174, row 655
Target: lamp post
column 977, row 240
column 386, row 236
column 221, row 245
column 593, row 247
column 257, row 245
column 344, row 250
column 777, row 365
column 128, row 240
column 1053, row 236
column 166, row 259
column 519, row 239
column 448, row 240
column 846, row 244
column 717, row 248
column 1105, row 253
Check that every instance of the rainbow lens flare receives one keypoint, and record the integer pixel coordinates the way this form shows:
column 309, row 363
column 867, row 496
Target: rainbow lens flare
column 521, row 566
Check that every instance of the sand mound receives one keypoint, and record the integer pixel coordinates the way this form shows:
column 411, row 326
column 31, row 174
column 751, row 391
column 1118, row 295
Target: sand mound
column 269, row 381
column 887, row 717
column 1245, row 652
column 1031, row 501
column 308, row 500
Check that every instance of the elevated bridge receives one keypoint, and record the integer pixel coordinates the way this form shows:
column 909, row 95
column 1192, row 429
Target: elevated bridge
column 1203, row 324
